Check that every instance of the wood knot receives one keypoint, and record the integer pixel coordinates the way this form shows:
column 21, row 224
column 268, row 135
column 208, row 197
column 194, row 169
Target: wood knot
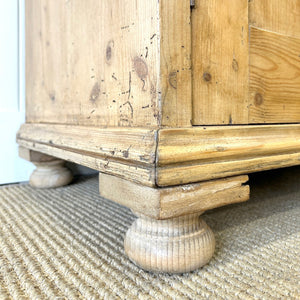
column 235, row 65
column 207, row 76
column 109, row 51
column 140, row 67
column 52, row 96
column 220, row 149
column 258, row 99
column 173, row 79
column 95, row 92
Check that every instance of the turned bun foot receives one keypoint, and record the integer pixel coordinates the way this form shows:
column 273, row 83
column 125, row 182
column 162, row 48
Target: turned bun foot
column 175, row 245
column 50, row 174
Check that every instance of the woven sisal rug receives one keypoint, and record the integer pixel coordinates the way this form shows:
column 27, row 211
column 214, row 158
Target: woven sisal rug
column 67, row 243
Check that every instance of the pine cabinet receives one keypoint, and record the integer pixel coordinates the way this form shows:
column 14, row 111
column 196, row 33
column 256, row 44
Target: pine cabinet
column 174, row 102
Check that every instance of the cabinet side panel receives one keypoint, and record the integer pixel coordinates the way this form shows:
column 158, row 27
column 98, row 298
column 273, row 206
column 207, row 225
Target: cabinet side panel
column 220, row 58
column 280, row 16
column 92, row 62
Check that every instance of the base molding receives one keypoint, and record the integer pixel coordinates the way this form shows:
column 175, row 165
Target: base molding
column 126, row 152
column 204, row 153
column 168, row 156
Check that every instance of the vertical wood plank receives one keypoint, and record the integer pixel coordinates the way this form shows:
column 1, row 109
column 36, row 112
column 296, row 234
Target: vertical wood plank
column 175, row 63
column 220, row 58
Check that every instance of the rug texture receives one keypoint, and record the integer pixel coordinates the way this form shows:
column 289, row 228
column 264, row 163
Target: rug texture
column 67, row 243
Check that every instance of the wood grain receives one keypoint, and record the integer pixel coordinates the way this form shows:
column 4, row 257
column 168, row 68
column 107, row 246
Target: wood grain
column 128, row 153
column 220, row 62
column 109, row 63
column 186, row 173
column 134, row 172
column 280, row 16
column 92, row 62
column 130, row 144
column 169, row 157
column 205, row 153
column 274, row 78
column 175, row 63
column 215, row 143
column 164, row 203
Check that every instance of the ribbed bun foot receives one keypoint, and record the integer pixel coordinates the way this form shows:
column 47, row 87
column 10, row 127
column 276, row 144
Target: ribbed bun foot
column 50, row 175
column 177, row 245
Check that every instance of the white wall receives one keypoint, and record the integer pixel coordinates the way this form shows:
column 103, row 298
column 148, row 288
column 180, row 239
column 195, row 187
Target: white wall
column 12, row 90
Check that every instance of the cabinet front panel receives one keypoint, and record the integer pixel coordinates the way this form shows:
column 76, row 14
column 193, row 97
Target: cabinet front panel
column 274, row 78
column 92, row 62
column 220, row 58
column 240, row 79
column 280, row 16
column 274, row 61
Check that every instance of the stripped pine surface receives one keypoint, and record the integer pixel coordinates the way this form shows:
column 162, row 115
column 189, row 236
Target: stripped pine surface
column 135, row 71
column 280, row 16
column 205, row 153
column 169, row 157
column 220, row 62
column 274, row 78
column 164, row 203
column 128, row 153
column 175, row 63
column 92, row 63
column 132, row 144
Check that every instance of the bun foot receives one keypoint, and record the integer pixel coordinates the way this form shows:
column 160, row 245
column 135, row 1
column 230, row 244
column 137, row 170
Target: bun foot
column 50, row 174
column 177, row 245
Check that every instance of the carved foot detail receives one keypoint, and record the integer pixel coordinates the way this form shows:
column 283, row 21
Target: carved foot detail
column 50, row 174
column 174, row 245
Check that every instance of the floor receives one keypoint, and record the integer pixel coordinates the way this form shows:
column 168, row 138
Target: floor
column 67, row 243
